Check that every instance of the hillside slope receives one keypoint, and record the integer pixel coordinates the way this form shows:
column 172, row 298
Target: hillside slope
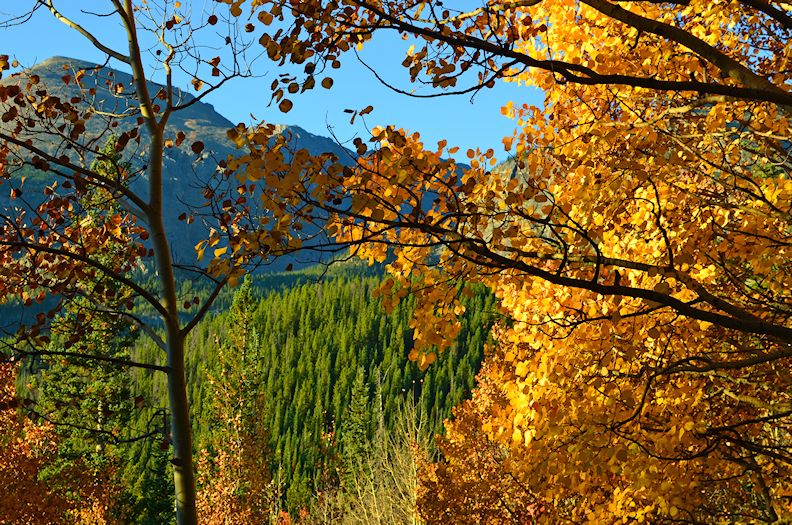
column 108, row 91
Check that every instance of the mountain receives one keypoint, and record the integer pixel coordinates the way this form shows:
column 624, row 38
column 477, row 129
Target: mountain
column 110, row 91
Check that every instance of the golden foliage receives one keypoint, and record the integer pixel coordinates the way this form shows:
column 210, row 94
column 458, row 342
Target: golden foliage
column 25, row 500
column 474, row 483
column 234, row 480
column 26, row 449
column 638, row 242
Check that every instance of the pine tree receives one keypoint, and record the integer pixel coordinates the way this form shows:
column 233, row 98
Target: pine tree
column 355, row 430
column 234, row 479
column 89, row 399
column 148, row 495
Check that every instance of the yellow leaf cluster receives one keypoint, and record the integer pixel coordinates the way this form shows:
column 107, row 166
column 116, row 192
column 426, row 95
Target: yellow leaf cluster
column 637, row 242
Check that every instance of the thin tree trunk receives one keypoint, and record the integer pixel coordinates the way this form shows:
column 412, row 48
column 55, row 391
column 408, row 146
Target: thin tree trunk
column 181, row 434
column 180, row 430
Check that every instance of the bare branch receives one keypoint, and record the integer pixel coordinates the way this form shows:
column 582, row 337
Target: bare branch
column 205, row 307
column 142, row 292
column 89, row 36
column 94, row 357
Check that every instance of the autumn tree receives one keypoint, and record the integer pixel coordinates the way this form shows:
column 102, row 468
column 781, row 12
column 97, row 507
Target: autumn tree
column 384, row 489
column 236, row 486
column 26, row 499
column 28, row 447
column 474, row 482
column 638, row 240
column 90, row 403
column 381, row 485
column 50, row 244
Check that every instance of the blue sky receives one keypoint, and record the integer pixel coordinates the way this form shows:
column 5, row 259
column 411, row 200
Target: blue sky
column 465, row 123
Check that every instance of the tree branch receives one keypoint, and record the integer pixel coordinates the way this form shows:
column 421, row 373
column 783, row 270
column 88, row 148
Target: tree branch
column 94, row 357
column 106, row 182
column 90, row 37
column 580, row 74
column 726, row 64
column 142, row 292
column 219, row 285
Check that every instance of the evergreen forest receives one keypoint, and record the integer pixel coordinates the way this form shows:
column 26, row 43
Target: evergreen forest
column 307, row 358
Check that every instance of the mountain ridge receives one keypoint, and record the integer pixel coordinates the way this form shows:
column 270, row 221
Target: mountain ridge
column 109, row 90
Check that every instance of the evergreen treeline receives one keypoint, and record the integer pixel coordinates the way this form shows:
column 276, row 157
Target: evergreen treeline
column 323, row 357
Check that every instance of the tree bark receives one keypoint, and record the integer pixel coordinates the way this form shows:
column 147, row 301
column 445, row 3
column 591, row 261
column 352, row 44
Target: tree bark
column 181, row 434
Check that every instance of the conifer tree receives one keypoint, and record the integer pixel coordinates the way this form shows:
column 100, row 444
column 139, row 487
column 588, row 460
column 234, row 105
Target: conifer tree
column 355, row 430
column 235, row 479
column 90, row 401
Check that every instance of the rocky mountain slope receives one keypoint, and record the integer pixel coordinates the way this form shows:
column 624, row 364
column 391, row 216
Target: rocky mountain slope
column 108, row 90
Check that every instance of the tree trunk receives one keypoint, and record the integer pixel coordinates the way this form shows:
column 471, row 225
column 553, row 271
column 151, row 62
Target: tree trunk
column 181, row 433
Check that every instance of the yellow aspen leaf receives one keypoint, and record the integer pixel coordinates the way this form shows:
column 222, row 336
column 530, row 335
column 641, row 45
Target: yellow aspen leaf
column 517, row 436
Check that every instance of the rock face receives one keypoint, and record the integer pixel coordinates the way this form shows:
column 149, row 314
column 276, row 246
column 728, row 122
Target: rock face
column 109, row 91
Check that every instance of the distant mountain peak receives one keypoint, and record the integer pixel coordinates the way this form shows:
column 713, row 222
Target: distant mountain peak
column 200, row 122
column 58, row 61
column 53, row 68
